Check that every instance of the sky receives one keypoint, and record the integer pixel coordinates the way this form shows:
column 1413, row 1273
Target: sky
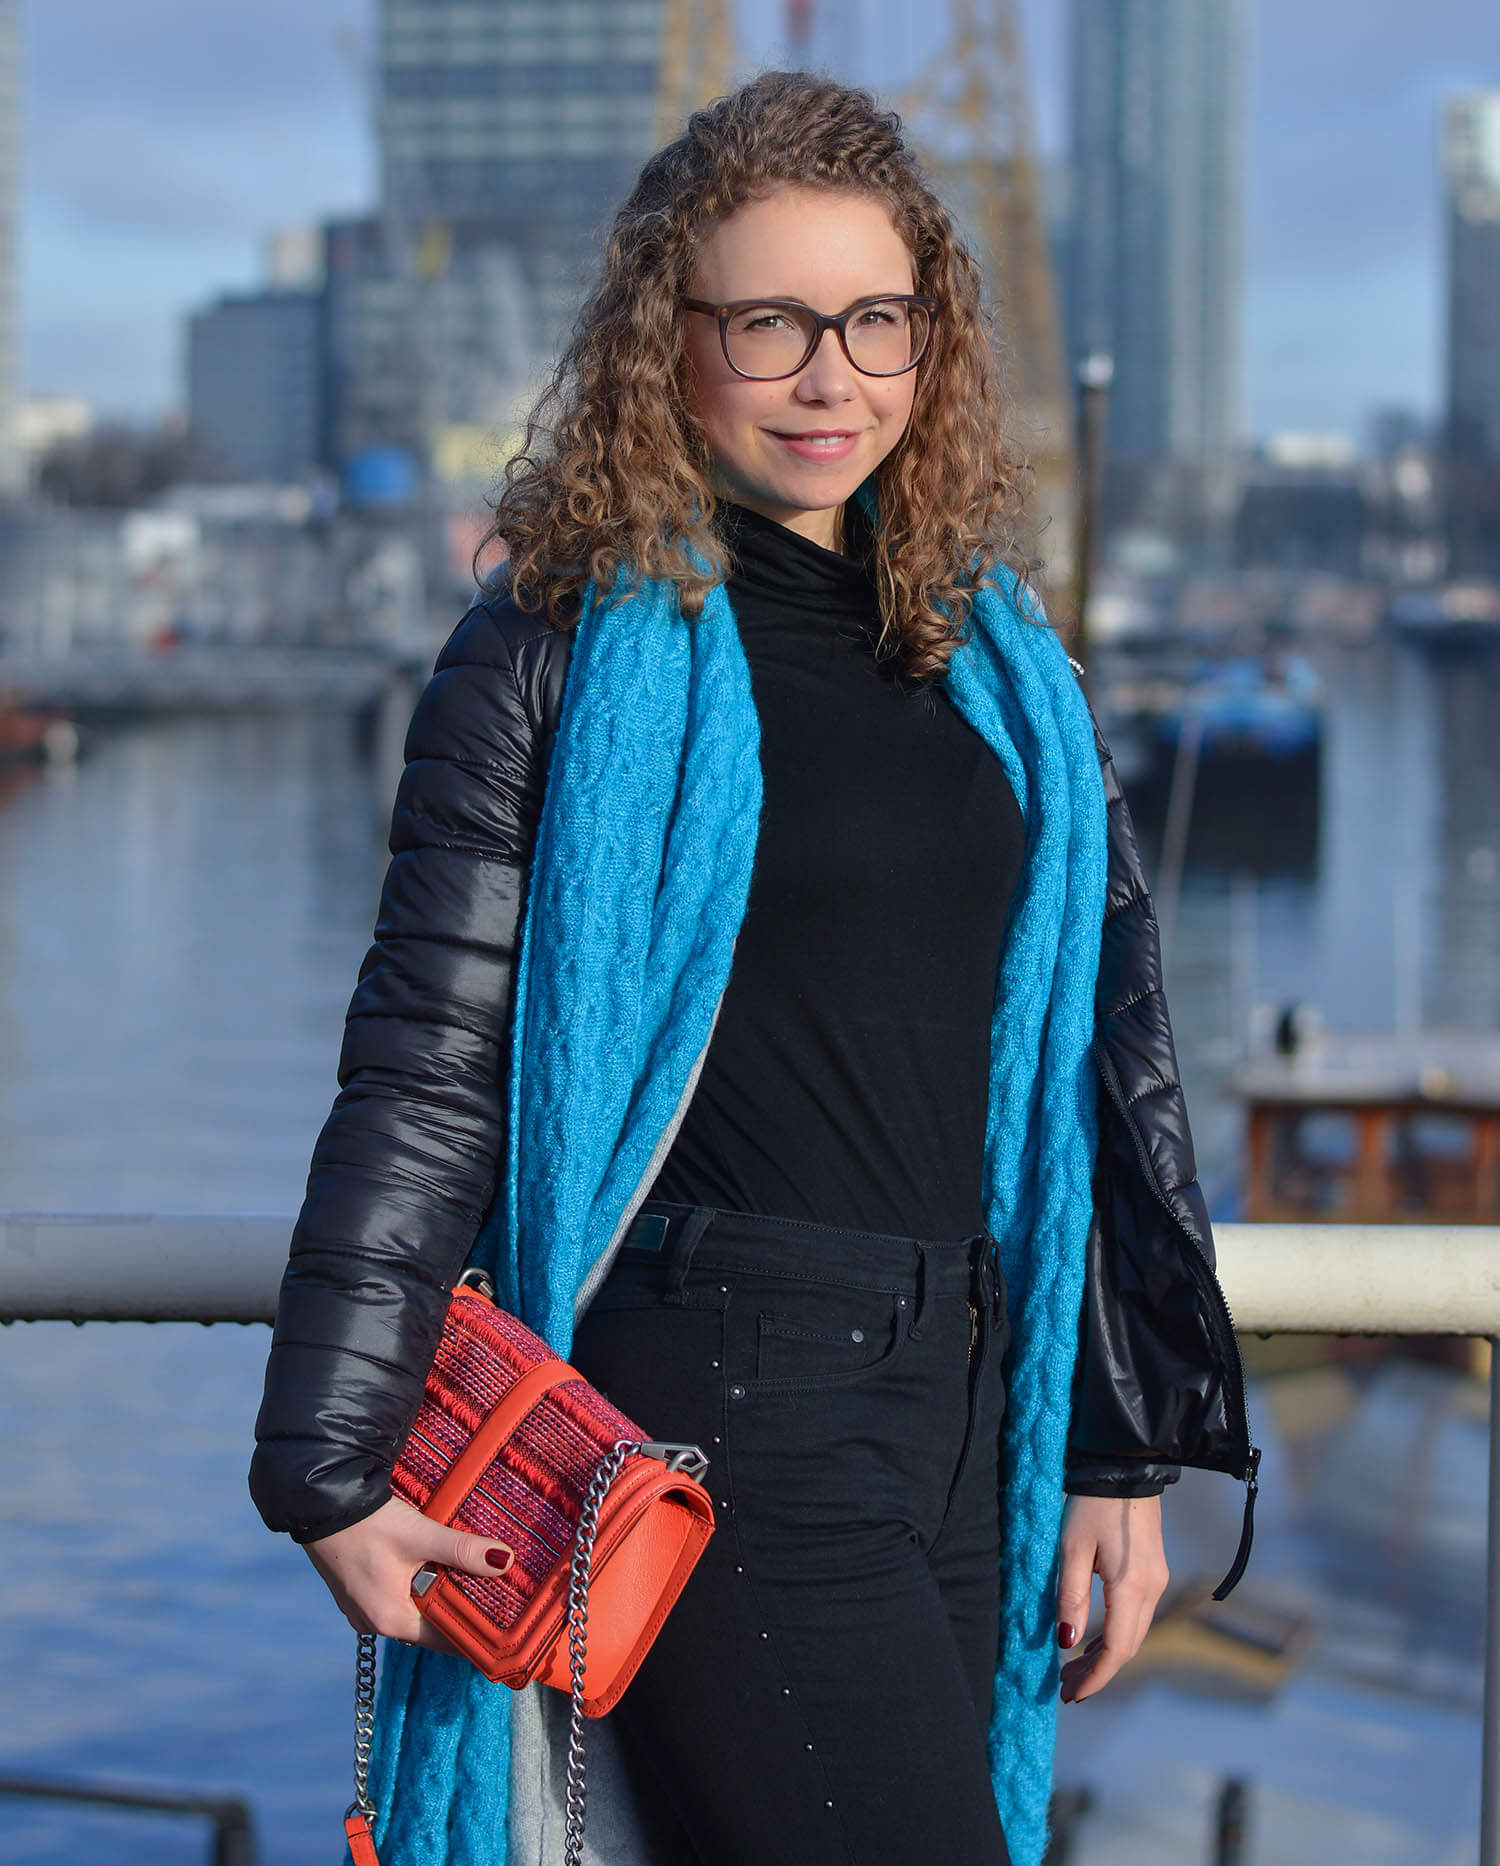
column 165, row 140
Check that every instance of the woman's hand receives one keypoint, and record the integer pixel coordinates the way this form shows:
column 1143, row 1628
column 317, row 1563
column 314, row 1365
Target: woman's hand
column 1118, row 1538
column 369, row 1568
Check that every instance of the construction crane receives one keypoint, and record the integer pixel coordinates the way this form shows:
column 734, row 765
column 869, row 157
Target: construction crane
column 969, row 113
column 697, row 52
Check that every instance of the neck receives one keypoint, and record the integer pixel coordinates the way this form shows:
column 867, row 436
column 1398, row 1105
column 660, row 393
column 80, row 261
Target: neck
column 824, row 527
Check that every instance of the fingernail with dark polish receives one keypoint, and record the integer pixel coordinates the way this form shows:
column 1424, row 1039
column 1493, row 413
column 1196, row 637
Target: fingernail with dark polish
column 1065, row 1633
column 500, row 1557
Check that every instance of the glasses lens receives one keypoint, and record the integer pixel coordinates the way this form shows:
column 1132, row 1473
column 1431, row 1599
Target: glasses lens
column 768, row 340
column 887, row 336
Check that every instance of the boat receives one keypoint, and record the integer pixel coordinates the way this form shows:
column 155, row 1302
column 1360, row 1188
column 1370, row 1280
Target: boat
column 1375, row 1129
column 1267, row 706
column 35, row 736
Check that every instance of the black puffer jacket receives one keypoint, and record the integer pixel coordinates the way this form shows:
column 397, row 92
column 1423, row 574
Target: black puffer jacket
column 405, row 1168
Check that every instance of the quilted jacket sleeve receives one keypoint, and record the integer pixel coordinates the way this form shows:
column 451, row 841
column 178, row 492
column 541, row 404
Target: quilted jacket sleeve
column 1129, row 990
column 406, row 1164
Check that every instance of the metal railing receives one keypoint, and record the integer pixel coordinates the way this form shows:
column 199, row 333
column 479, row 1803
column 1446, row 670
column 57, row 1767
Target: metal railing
column 233, row 1829
column 1279, row 1279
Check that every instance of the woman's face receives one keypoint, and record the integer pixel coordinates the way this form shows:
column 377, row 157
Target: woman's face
column 826, row 249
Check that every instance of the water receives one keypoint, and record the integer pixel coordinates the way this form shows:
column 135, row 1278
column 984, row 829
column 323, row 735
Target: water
column 181, row 923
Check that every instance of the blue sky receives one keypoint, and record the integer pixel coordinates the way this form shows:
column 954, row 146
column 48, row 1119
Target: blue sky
column 166, row 139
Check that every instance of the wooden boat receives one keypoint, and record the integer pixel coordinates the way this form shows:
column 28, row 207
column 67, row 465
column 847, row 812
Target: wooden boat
column 31, row 737
column 1377, row 1129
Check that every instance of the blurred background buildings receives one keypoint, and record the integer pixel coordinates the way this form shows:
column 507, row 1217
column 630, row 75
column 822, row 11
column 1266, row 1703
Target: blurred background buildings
column 1152, row 261
column 12, row 478
column 387, row 358
column 1471, row 164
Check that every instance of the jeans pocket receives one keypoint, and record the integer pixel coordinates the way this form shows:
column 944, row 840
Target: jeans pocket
column 824, row 1335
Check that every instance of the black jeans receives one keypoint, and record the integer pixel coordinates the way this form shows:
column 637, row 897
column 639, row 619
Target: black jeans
column 821, row 1691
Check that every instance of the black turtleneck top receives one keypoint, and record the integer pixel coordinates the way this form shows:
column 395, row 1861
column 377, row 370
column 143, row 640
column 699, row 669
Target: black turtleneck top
column 846, row 1080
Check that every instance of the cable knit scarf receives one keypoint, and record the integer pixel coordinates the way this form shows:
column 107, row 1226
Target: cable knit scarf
column 639, row 883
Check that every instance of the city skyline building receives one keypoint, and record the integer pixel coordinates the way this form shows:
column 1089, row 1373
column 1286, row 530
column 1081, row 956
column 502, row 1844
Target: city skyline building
column 1471, row 173
column 256, row 384
column 12, row 463
column 511, row 123
column 1154, row 245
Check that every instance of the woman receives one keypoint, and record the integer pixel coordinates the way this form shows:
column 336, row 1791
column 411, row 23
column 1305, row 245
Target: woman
column 758, row 887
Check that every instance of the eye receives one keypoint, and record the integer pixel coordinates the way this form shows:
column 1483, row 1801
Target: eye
column 887, row 315
column 767, row 318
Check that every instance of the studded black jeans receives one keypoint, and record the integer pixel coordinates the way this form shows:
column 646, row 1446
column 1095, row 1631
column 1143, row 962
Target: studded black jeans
column 821, row 1691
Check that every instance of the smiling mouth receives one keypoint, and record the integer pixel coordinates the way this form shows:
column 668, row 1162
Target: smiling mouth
column 828, row 440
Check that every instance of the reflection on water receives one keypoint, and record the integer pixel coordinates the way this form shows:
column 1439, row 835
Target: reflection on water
column 181, row 922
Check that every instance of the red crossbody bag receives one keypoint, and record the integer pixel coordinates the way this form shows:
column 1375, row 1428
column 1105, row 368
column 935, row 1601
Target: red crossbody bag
column 603, row 1524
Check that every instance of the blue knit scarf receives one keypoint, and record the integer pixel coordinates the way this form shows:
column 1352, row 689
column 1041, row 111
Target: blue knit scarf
column 639, row 883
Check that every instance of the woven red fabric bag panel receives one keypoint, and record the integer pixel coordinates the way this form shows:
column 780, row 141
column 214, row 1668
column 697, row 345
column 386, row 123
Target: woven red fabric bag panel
column 531, row 1493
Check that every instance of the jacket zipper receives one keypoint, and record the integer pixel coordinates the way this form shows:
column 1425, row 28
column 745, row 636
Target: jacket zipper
column 1202, row 1270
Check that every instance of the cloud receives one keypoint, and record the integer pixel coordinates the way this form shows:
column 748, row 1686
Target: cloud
column 169, row 117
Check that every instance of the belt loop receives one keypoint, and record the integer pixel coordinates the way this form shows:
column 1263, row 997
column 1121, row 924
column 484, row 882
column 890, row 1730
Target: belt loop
column 924, row 1281
column 681, row 1248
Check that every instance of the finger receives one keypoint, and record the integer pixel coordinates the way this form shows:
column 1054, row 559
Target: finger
column 406, row 1627
column 453, row 1548
column 1123, row 1632
column 1082, row 1664
column 428, row 1635
column 1075, row 1582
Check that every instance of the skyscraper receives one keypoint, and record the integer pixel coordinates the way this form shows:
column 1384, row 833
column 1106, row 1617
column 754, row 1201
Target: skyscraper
column 11, row 472
column 1471, row 166
column 1153, row 272
column 516, row 123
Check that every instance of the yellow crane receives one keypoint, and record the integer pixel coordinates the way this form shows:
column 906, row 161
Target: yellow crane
column 697, row 52
column 969, row 112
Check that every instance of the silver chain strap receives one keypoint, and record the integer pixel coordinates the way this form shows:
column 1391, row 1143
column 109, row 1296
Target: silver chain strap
column 579, row 1569
column 364, row 1722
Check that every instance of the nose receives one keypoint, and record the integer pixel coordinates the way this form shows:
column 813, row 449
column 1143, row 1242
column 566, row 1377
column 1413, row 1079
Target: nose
column 827, row 375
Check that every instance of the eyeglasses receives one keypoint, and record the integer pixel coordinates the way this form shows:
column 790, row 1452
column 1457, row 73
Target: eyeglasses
column 765, row 339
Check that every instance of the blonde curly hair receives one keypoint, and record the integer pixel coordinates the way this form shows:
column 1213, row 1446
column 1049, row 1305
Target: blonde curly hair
column 614, row 472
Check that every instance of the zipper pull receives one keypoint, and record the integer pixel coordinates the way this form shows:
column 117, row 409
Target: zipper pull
column 1247, row 1526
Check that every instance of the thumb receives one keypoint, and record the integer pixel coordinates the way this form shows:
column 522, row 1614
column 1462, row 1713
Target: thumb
column 1075, row 1582
column 454, row 1548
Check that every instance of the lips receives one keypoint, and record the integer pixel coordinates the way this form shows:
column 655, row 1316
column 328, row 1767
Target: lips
column 819, row 444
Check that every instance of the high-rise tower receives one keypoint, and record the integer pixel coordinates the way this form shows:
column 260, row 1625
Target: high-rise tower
column 1154, row 251
column 11, row 472
column 516, row 123
column 508, row 132
column 1471, row 166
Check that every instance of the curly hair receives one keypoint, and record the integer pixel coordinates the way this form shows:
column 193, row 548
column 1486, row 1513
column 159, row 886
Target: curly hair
column 613, row 472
